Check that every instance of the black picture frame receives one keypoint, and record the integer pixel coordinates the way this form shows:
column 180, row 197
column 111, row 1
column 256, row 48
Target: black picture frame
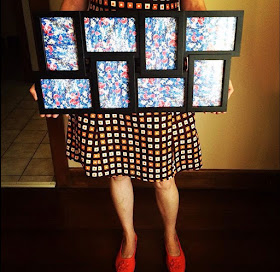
column 239, row 14
column 40, row 40
column 61, row 75
column 224, row 87
column 136, row 61
column 109, row 14
column 131, row 82
column 162, row 109
column 179, row 54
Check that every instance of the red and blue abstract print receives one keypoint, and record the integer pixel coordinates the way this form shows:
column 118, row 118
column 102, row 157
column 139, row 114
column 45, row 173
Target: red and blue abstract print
column 210, row 33
column 207, row 83
column 113, row 84
column 161, row 92
column 66, row 93
column 110, row 34
column 160, row 43
column 60, row 43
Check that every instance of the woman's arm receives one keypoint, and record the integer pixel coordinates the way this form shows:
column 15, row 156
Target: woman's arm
column 74, row 5
column 192, row 5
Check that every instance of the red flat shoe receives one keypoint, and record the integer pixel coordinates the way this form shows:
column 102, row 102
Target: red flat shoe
column 126, row 264
column 176, row 263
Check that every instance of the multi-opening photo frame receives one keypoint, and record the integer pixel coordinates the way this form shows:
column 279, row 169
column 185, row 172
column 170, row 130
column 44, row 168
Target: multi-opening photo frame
column 136, row 61
column 208, row 82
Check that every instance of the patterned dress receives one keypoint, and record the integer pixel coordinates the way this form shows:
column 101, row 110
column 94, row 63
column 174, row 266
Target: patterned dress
column 148, row 146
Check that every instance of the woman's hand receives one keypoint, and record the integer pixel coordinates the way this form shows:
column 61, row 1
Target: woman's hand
column 230, row 91
column 34, row 94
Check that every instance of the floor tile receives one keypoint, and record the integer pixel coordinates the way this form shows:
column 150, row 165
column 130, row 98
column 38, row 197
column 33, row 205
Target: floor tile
column 9, row 178
column 8, row 104
column 36, row 124
column 25, row 104
column 8, row 136
column 13, row 166
column 36, row 178
column 28, row 97
column 18, row 113
column 46, row 140
column 4, row 115
column 36, row 115
column 44, row 151
column 39, row 167
column 21, row 150
column 4, row 147
column 16, row 86
column 14, row 123
column 14, row 98
column 30, row 136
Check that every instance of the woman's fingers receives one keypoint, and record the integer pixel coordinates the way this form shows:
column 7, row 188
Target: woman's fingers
column 33, row 92
column 49, row 115
column 215, row 112
column 230, row 89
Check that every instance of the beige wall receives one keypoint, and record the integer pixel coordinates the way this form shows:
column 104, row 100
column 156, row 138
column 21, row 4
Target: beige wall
column 247, row 136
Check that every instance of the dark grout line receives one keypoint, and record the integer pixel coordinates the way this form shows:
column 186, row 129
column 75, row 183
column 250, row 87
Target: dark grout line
column 33, row 155
column 7, row 148
column 17, row 104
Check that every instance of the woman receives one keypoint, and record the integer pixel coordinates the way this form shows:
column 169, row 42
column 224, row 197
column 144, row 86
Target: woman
column 169, row 154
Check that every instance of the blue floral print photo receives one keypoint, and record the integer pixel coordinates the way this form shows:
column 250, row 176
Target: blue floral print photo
column 59, row 43
column 66, row 93
column 105, row 34
column 210, row 33
column 160, row 43
column 207, row 83
column 161, row 92
column 113, row 84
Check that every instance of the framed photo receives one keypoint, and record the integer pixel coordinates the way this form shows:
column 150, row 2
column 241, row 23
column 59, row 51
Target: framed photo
column 208, row 82
column 64, row 92
column 161, row 93
column 59, row 41
column 161, row 43
column 110, row 32
column 114, row 83
column 217, row 32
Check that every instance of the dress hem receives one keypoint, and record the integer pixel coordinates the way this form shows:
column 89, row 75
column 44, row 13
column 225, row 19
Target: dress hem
column 87, row 173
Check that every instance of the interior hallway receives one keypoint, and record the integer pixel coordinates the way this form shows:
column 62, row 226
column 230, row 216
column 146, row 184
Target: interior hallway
column 25, row 149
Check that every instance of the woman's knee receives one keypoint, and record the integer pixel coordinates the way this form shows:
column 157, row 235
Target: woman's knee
column 119, row 177
column 165, row 185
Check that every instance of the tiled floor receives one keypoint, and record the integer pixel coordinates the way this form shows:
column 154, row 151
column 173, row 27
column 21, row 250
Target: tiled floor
column 25, row 149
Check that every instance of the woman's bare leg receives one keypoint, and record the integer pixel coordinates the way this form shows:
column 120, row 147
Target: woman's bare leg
column 123, row 198
column 167, row 197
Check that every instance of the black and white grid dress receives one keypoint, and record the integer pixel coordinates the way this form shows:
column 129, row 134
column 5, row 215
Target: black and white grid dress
column 148, row 146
